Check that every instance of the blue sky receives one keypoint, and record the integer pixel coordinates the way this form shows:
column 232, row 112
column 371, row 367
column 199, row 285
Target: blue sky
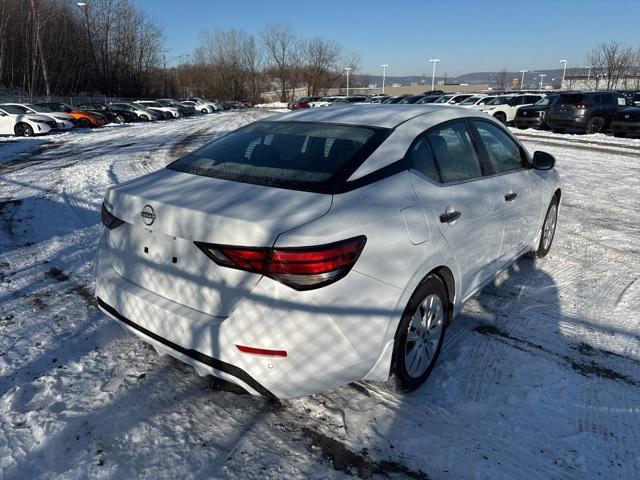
column 466, row 35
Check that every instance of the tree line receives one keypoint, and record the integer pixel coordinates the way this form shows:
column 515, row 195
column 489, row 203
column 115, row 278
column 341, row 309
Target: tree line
column 58, row 47
column 235, row 64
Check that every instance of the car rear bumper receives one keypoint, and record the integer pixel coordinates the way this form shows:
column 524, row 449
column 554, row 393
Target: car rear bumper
column 332, row 337
column 576, row 122
column 533, row 122
column 625, row 126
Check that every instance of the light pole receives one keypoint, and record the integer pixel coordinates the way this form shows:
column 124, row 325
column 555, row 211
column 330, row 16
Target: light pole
column 522, row 81
column 433, row 75
column 564, row 70
column 384, row 74
column 542, row 75
column 165, row 61
column 348, row 69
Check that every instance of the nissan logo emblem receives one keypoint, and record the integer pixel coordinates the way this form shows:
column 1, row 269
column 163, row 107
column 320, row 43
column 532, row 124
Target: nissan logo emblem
column 626, row 115
column 148, row 215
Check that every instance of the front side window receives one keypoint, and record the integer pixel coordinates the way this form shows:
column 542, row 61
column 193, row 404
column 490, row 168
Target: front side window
column 296, row 155
column 504, row 153
column 455, row 155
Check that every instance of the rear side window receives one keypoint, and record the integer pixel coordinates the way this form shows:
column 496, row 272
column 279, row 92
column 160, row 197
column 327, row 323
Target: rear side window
column 454, row 153
column 297, row 155
column 504, row 154
column 421, row 158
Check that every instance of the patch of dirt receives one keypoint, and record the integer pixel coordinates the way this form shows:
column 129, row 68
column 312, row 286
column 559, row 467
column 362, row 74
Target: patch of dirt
column 358, row 464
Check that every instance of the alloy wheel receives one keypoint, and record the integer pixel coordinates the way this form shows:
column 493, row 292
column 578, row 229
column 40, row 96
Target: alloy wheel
column 423, row 336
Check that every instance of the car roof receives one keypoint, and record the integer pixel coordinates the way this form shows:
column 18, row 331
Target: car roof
column 371, row 114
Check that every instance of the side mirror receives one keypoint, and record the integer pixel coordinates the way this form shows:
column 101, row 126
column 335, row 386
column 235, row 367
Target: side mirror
column 543, row 161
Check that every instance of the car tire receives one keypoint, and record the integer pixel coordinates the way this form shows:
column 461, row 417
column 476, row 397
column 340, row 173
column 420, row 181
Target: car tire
column 84, row 123
column 548, row 229
column 501, row 117
column 557, row 130
column 620, row 134
column 596, row 125
column 204, row 110
column 23, row 130
column 120, row 119
column 420, row 334
column 144, row 118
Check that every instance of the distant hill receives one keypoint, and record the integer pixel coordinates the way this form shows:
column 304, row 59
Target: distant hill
column 478, row 78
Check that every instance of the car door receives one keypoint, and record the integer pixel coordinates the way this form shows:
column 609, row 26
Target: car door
column 450, row 181
column 516, row 182
column 6, row 123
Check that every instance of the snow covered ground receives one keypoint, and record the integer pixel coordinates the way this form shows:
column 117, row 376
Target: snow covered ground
column 539, row 378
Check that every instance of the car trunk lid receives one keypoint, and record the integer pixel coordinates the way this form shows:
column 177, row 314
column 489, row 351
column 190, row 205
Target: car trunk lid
column 165, row 212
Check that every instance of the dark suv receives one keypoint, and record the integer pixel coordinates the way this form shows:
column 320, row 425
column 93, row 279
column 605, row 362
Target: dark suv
column 535, row 116
column 587, row 111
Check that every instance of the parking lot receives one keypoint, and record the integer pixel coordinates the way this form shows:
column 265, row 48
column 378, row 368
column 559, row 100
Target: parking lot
column 539, row 377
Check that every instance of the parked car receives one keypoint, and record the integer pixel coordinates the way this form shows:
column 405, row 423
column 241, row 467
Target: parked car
column 185, row 110
column 173, row 112
column 535, row 116
column 319, row 257
column 198, row 107
column 142, row 113
column 429, row 98
column 83, row 118
column 214, row 107
column 350, row 99
column 474, row 100
column 590, row 112
column 63, row 120
column 13, row 121
column 506, row 112
column 378, row 98
column 394, row 99
column 113, row 114
column 324, row 101
column 453, row 99
column 626, row 121
column 411, row 99
column 434, row 93
column 301, row 103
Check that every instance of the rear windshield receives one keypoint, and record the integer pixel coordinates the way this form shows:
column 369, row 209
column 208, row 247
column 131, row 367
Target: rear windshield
column 296, row 155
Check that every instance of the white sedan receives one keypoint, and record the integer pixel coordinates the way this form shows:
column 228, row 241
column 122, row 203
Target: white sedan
column 158, row 107
column 13, row 121
column 322, row 247
column 64, row 120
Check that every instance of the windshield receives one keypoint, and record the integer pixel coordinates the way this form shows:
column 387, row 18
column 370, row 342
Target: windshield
column 499, row 101
column 470, row 100
column 444, row 99
column 11, row 109
column 546, row 100
column 20, row 108
column 39, row 109
column 296, row 155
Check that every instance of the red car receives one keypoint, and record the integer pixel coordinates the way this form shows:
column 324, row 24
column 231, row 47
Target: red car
column 301, row 103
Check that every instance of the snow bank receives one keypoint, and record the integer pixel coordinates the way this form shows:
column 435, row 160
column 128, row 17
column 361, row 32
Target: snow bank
column 271, row 105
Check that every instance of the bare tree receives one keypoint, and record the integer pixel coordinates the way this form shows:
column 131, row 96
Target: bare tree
column 322, row 58
column 280, row 43
column 611, row 62
column 501, row 79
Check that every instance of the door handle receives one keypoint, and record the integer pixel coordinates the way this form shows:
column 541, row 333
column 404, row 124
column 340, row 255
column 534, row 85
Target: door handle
column 510, row 197
column 449, row 217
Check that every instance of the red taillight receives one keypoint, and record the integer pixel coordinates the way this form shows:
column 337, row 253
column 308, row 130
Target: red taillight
column 301, row 268
column 262, row 351
column 108, row 220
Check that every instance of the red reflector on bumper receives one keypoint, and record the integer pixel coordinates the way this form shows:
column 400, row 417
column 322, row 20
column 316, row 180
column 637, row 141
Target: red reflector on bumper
column 262, row 351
